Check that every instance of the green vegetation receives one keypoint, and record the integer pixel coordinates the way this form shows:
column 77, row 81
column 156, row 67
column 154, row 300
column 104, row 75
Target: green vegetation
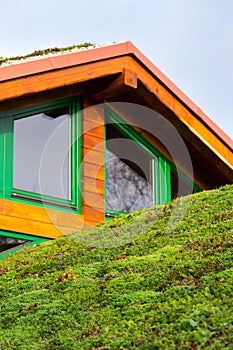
column 52, row 50
column 164, row 289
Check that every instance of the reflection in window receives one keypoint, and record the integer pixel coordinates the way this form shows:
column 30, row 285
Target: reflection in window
column 129, row 173
column 42, row 159
column 8, row 243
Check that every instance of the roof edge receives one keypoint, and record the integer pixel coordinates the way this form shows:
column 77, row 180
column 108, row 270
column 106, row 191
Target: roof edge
column 182, row 96
column 65, row 60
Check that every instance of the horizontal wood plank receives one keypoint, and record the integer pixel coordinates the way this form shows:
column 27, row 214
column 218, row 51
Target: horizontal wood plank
column 62, row 77
column 93, row 185
column 41, row 229
column 93, row 130
column 93, row 200
column 40, row 214
column 93, row 115
column 94, row 215
column 93, row 171
column 93, row 157
column 74, row 221
column 95, row 143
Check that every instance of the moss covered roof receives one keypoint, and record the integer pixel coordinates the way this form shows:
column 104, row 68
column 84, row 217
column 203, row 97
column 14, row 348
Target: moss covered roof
column 131, row 283
column 46, row 52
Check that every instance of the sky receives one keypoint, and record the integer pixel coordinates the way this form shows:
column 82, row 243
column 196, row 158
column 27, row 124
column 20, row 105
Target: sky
column 191, row 41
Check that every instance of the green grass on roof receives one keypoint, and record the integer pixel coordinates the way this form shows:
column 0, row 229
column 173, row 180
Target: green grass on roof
column 44, row 52
column 169, row 287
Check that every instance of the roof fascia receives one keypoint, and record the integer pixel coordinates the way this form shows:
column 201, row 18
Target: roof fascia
column 45, row 64
column 61, row 61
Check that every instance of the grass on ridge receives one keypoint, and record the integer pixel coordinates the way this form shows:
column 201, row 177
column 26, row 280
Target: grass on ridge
column 131, row 283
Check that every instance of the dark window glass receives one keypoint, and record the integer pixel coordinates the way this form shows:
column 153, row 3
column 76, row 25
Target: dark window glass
column 7, row 243
column 129, row 173
column 42, row 159
column 179, row 187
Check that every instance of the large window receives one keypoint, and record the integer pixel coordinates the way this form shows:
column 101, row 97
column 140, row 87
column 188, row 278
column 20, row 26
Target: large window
column 42, row 145
column 42, row 157
column 137, row 175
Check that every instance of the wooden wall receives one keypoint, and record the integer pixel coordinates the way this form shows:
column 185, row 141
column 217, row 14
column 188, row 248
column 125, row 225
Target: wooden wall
column 36, row 220
column 93, row 163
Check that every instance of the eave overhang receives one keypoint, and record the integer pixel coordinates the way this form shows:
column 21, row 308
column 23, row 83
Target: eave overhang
column 127, row 64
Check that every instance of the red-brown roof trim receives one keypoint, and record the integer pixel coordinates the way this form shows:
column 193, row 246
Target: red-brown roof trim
column 45, row 64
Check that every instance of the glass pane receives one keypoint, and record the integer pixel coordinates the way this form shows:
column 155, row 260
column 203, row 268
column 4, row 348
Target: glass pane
column 7, row 243
column 179, row 187
column 129, row 173
column 42, row 159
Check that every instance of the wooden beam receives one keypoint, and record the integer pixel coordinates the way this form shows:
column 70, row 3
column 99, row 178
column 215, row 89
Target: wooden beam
column 223, row 164
column 120, row 86
column 189, row 119
column 38, row 221
column 63, row 77
column 130, row 78
column 125, row 66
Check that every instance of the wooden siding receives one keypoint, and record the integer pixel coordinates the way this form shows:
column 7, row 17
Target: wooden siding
column 20, row 87
column 39, row 221
column 36, row 220
column 93, row 163
column 24, row 91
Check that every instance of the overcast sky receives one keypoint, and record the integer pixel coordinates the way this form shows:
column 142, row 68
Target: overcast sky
column 191, row 41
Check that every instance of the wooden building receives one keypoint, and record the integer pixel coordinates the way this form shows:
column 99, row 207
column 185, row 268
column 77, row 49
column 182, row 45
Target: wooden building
column 87, row 134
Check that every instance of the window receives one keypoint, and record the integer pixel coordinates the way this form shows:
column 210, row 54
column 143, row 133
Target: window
column 137, row 175
column 181, row 185
column 44, row 145
column 129, row 173
column 41, row 150
column 10, row 242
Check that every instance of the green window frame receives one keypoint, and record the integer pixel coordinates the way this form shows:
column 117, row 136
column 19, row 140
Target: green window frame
column 30, row 241
column 163, row 168
column 7, row 191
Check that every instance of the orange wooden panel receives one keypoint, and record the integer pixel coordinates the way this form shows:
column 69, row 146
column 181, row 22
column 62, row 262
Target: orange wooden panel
column 26, row 211
column 60, row 218
column 93, row 200
column 188, row 118
column 93, row 171
column 93, row 185
column 62, row 77
column 93, row 157
column 93, row 130
column 93, row 142
column 130, row 78
column 92, row 114
column 40, row 214
column 69, row 76
column 94, row 215
column 17, row 224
